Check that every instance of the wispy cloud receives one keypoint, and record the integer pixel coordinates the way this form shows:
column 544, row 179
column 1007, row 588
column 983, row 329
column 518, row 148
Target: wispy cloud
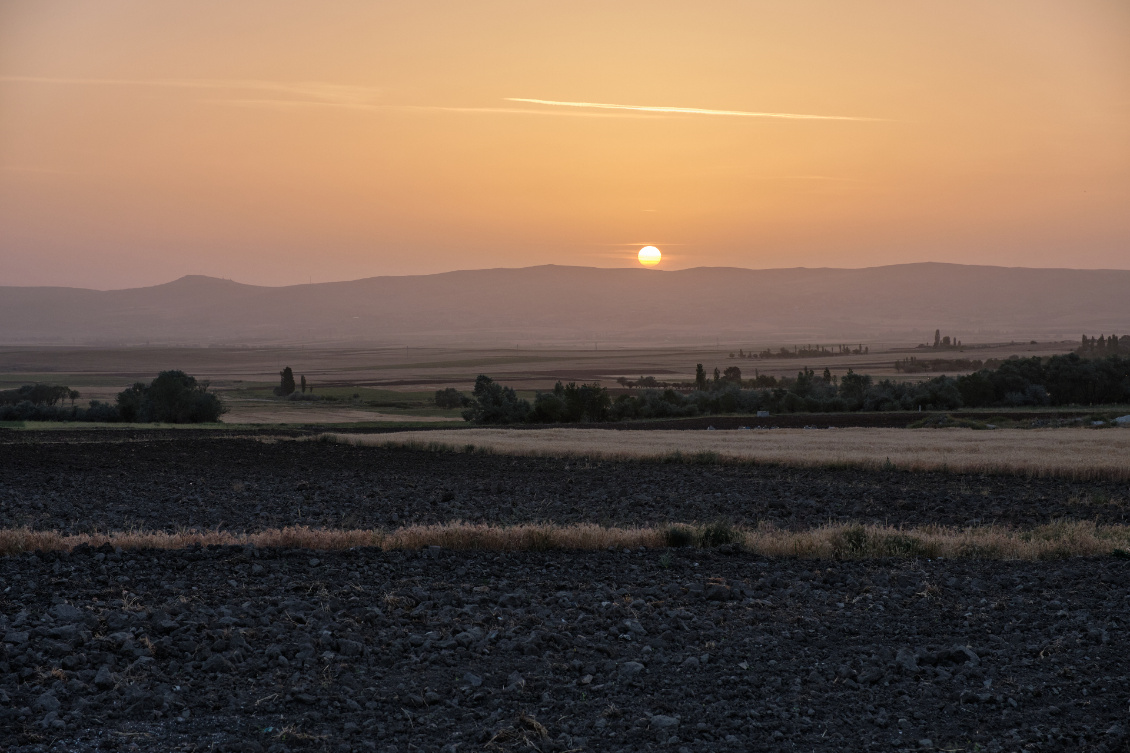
column 311, row 90
column 300, row 94
column 297, row 103
column 686, row 110
column 284, row 94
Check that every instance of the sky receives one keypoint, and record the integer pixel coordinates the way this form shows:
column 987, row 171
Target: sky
column 283, row 142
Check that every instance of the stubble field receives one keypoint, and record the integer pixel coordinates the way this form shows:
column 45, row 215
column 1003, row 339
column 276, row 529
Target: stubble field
column 1071, row 452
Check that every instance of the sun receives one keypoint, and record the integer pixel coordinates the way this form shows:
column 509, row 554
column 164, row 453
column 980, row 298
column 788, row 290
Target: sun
column 649, row 256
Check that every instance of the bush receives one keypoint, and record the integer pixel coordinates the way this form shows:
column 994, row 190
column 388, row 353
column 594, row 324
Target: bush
column 173, row 397
column 718, row 534
column 29, row 411
column 679, row 536
column 298, row 397
column 451, row 398
column 100, row 411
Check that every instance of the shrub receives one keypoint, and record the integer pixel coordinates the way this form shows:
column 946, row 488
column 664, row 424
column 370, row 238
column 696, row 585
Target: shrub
column 850, row 542
column 678, row 536
column 718, row 533
column 29, row 411
column 300, row 397
column 451, row 398
column 100, row 411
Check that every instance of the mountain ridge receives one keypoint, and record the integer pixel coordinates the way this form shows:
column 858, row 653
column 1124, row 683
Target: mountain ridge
column 563, row 303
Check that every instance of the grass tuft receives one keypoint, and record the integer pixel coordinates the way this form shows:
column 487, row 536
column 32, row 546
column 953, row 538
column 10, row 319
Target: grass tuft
column 678, row 536
column 718, row 533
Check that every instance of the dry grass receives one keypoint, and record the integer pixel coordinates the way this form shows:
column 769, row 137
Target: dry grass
column 266, row 412
column 1072, row 453
column 845, row 541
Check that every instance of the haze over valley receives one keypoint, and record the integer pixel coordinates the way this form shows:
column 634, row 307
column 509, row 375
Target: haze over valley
column 580, row 306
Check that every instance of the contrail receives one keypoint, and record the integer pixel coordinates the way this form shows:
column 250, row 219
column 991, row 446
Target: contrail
column 687, row 110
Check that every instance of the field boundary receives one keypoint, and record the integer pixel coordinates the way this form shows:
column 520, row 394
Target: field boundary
column 1057, row 540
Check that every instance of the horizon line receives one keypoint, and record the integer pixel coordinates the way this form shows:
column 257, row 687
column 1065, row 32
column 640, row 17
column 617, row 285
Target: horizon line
column 568, row 266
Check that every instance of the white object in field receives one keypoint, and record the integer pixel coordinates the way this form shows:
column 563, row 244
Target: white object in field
column 763, row 414
column 1123, row 420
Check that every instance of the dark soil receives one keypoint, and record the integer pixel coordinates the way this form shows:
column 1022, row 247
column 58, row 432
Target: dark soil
column 243, row 649
column 245, row 484
column 233, row 649
column 878, row 419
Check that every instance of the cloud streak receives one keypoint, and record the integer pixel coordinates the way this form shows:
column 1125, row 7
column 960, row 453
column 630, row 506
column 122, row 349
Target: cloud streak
column 343, row 94
column 297, row 103
column 687, row 110
column 317, row 93
column 302, row 94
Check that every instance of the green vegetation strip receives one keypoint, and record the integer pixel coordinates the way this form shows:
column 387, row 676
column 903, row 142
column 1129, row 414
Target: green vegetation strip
column 846, row 541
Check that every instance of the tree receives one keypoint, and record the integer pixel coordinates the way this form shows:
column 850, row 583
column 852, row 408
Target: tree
column 937, row 337
column 286, row 382
column 492, row 403
column 571, row 403
column 303, row 384
column 717, row 375
column 36, row 394
column 700, row 377
column 852, row 386
column 173, row 397
column 131, row 401
column 733, row 375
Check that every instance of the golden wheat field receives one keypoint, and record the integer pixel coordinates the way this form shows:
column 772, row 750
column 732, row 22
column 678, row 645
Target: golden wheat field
column 1069, row 452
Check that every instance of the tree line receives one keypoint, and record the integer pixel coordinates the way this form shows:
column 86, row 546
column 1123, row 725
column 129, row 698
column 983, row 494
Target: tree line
column 172, row 397
column 1100, row 346
column 804, row 351
column 1016, row 382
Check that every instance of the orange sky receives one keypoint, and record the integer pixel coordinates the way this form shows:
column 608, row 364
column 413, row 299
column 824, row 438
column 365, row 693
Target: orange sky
column 275, row 142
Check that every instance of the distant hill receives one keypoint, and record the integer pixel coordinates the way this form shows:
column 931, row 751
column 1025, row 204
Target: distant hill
column 557, row 305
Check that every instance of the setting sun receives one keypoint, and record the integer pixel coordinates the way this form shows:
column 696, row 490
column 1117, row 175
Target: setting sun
column 649, row 256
